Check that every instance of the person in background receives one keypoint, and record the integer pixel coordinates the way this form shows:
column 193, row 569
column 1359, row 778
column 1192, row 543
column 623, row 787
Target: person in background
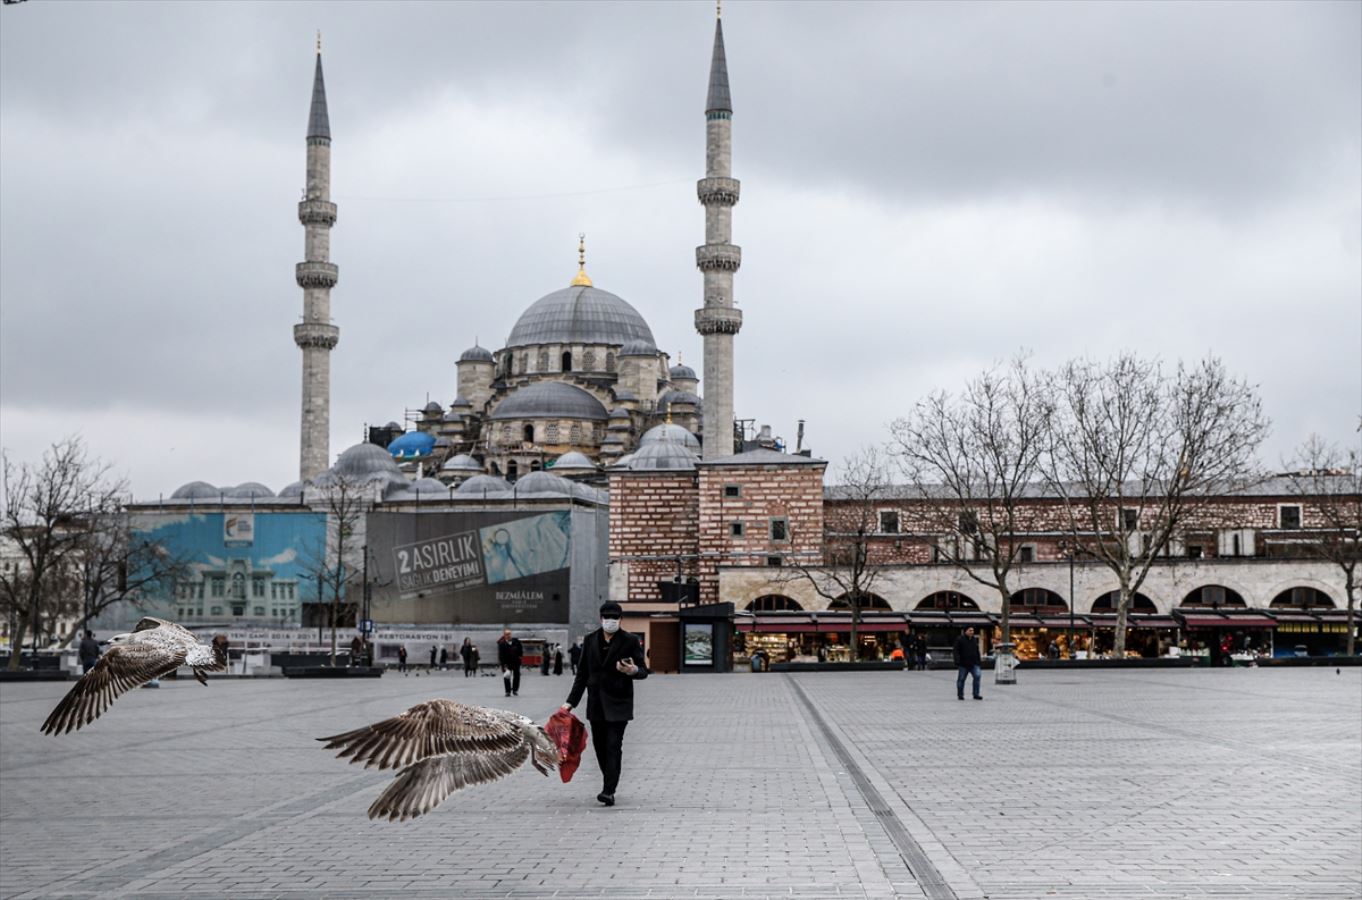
column 558, row 659
column 546, row 660
column 434, row 652
column 89, row 651
column 575, row 655
column 444, row 659
column 402, row 658
column 967, row 662
column 509, row 653
column 920, row 651
column 466, row 652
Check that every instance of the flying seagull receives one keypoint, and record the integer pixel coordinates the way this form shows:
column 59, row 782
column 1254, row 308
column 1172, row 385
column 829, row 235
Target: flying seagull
column 152, row 649
column 441, row 746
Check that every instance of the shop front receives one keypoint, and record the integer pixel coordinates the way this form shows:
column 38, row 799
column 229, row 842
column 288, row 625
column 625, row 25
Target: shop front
column 1299, row 633
column 1045, row 636
column 1148, row 636
column 816, row 637
column 1221, row 637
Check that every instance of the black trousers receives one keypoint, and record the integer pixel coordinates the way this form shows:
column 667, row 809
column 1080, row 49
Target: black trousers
column 511, row 677
column 608, row 740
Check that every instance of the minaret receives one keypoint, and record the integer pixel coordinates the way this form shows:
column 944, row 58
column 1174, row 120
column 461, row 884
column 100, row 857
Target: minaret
column 718, row 259
column 315, row 335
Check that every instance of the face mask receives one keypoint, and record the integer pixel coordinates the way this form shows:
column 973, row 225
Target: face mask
column 610, row 626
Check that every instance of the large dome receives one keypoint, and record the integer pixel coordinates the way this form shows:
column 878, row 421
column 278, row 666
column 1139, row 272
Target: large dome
column 579, row 315
column 550, row 400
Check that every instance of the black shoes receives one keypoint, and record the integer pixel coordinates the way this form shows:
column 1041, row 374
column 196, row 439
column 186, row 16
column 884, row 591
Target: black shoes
column 976, row 697
column 607, row 799
column 960, row 697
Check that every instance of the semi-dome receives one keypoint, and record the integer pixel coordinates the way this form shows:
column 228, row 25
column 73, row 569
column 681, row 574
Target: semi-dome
column 292, row 490
column 250, row 490
column 412, row 445
column 550, row 400
column 461, row 463
column 661, row 456
column 365, row 461
column 671, row 397
column 483, row 483
column 543, row 483
column 476, row 353
column 669, row 431
column 681, row 370
column 196, row 490
column 579, row 315
column 639, row 348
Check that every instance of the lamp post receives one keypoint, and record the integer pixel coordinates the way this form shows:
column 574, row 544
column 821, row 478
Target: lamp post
column 1071, row 549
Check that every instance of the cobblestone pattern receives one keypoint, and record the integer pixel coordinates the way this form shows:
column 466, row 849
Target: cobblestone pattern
column 1143, row 784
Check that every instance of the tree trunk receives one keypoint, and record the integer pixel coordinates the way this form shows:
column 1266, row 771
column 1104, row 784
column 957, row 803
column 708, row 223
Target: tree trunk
column 16, row 642
column 1118, row 646
column 855, row 620
column 1351, row 587
column 335, row 610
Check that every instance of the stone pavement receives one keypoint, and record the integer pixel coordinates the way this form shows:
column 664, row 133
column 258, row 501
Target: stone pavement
column 1165, row 783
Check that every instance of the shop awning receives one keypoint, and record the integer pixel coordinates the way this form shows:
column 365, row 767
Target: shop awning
column 805, row 623
column 1063, row 621
column 1203, row 621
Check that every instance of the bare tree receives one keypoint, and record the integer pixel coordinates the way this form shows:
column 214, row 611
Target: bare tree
column 1328, row 483
column 973, row 460
column 338, row 564
column 1135, row 453
column 47, row 516
column 849, row 526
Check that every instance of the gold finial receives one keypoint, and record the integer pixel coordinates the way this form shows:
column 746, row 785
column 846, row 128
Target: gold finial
column 718, row 9
column 680, row 358
column 319, row 42
column 581, row 280
column 669, row 413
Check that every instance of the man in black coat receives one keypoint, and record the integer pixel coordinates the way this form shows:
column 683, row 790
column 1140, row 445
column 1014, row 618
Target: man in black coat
column 612, row 660
column 509, row 653
column 575, row 656
column 89, row 651
column 967, row 662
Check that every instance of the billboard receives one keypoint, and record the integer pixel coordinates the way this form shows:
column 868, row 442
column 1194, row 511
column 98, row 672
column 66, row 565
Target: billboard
column 474, row 567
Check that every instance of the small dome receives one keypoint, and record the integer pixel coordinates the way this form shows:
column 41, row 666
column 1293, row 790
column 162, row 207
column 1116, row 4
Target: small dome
column 461, row 463
column 587, row 492
column 662, row 455
column 412, row 445
column 668, row 431
column 432, row 407
column 292, row 490
column 573, row 462
column 452, row 416
column 476, row 353
column 550, row 400
column 619, row 412
column 196, row 490
column 428, row 486
column 624, row 460
column 671, row 397
column 393, row 426
column 363, row 462
column 479, row 484
column 543, row 483
column 638, row 348
column 250, row 490
column 579, row 315
column 443, row 443
column 681, row 371
column 394, row 486
column 459, row 402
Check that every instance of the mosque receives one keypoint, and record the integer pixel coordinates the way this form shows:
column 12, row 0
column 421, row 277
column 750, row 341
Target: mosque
column 580, row 382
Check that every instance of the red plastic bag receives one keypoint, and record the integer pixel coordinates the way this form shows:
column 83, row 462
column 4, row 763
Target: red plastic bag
column 569, row 733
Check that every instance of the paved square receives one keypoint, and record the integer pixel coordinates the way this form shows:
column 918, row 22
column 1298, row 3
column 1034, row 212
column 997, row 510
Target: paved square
column 1136, row 783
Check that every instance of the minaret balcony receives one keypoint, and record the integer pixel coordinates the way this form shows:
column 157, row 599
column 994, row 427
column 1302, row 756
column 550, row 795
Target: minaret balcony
column 718, row 320
column 316, row 334
column 717, row 191
column 317, row 274
column 317, row 212
column 718, row 257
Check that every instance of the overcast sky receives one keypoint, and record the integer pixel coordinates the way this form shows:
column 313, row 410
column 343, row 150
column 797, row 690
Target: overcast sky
column 927, row 188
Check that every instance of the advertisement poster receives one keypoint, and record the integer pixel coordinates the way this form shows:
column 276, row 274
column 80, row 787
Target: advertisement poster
column 238, row 529
column 699, row 649
column 471, row 567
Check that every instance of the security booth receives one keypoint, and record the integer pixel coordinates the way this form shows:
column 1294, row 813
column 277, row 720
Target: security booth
column 706, row 637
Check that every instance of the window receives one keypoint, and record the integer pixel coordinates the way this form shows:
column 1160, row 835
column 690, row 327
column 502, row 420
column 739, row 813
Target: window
column 257, row 587
column 610, row 361
column 1194, row 551
column 589, row 360
column 1288, row 517
column 551, row 435
column 527, row 434
column 780, row 529
column 219, row 588
column 732, row 491
column 288, row 590
column 181, row 612
column 512, row 470
column 775, row 561
column 1130, row 519
column 567, row 360
column 1026, row 553
column 969, row 522
column 889, row 521
column 216, row 610
column 260, row 610
column 543, row 360
column 735, row 529
column 524, row 363
column 575, row 433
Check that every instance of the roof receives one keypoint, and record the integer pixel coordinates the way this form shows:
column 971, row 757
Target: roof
column 764, row 457
column 196, row 490
column 573, row 461
column 550, row 400
column 476, row 353
column 479, row 484
column 461, row 463
column 718, row 99
column 318, row 122
column 638, row 347
column 681, row 370
column 365, row 461
column 579, row 315
column 669, row 431
column 678, row 396
column 411, row 445
column 662, row 456
column 252, row 490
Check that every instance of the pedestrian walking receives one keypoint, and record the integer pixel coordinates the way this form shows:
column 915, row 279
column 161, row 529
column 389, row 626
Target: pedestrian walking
column 920, row 651
column 509, row 653
column 356, row 650
column 575, row 655
column 444, row 659
column 89, row 652
column 402, row 658
column 967, row 662
column 544, row 659
column 434, row 651
column 611, row 661
column 558, row 659
column 466, row 652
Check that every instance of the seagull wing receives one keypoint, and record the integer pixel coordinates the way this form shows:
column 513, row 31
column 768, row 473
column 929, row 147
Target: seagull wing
column 433, row 728
column 421, row 787
column 146, row 623
column 122, row 668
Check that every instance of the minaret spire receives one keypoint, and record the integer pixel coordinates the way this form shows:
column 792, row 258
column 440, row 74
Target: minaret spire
column 718, row 321
column 581, row 280
column 316, row 275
